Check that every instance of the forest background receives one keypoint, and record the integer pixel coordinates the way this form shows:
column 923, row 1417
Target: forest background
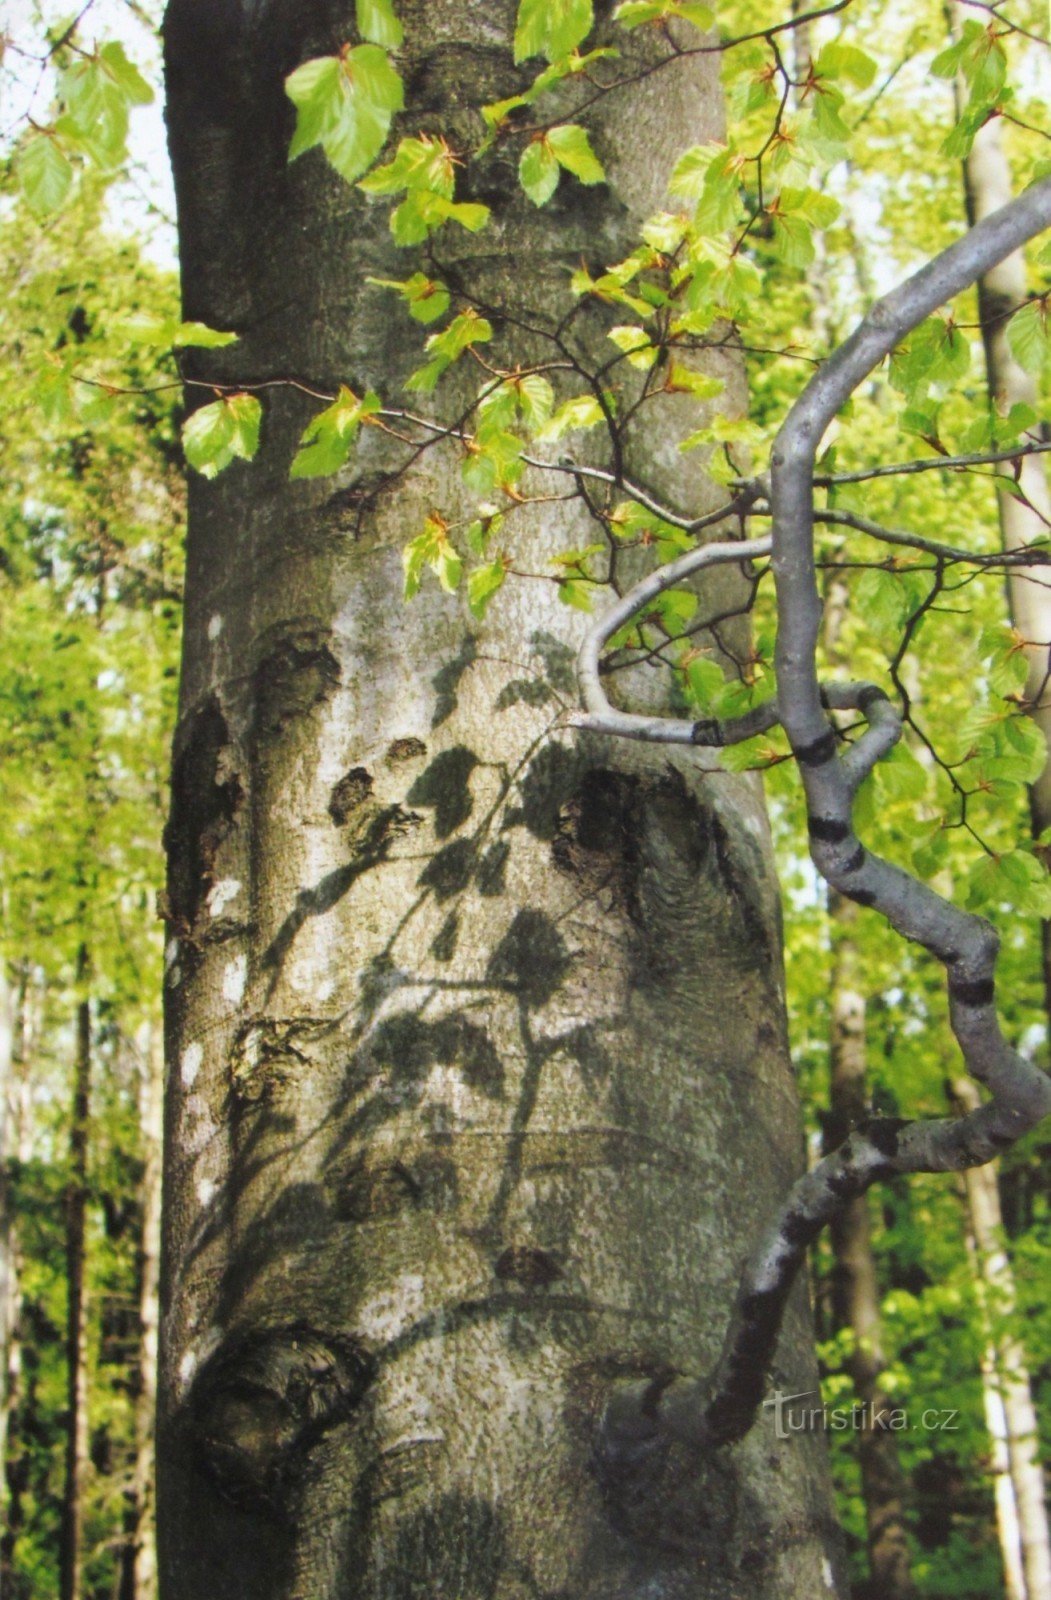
column 91, row 525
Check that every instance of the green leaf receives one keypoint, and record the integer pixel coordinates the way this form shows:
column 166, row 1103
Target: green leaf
column 216, row 433
column 327, row 438
column 573, row 151
column 538, row 171
column 483, row 584
column 423, row 163
column 44, row 174
column 633, row 13
column 427, row 299
column 378, row 23
column 345, row 103
column 125, row 74
column 836, row 60
column 432, row 549
column 583, row 411
column 1027, row 335
column 446, row 347
column 636, row 344
column 551, row 28
column 201, row 337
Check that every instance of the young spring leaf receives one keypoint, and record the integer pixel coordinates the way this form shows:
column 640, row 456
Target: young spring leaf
column 378, row 23
column 44, row 173
column 573, row 151
column 538, row 171
column 327, row 438
column 551, row 28
column 483, row 584
column 427, row 299
column 345, row 104
column 216, row 433
column 1028, row 335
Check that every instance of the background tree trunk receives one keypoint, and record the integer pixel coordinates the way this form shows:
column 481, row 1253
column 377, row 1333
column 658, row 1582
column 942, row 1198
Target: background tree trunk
column 151, row 1104
column 479, row 1088
column 8, row 1243
column 76, row 1354
column 855, row 1284
column 987, row 186
column 1021, row 1432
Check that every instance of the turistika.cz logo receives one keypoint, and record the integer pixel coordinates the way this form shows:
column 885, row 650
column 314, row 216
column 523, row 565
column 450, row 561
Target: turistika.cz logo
column 791, row 1416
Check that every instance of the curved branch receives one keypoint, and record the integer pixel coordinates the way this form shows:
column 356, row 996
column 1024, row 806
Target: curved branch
column 722, row 1408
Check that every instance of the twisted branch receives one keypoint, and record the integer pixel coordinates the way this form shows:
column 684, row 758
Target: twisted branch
column 722, row 1407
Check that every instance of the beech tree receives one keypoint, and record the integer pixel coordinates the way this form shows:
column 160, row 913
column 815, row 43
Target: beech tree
column 484, row 1194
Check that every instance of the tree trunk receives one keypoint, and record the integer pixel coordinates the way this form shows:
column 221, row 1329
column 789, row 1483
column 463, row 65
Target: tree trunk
column 15, row 1458
column 855, row 1286
column 151, row 1102
column 71, row 1556
column 478, row 1079
column 8, row 1240
column 1008, row 1525
column 987, row 184
column 1012, row 1373
column 856, row 1301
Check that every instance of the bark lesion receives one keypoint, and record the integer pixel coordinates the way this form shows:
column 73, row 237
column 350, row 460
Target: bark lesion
column 264, row 1400
column 207, row 796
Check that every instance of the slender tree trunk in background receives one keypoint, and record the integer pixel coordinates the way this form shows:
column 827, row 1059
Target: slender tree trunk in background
column 1012, row 1375
column 856, row 1299
column 479, row 1088
column 1007, row 1521
column 855, row 1284
column 8, row 1241
column 987, row 186
column 151, row 1111
column 15, row 1456
column 76, row 1354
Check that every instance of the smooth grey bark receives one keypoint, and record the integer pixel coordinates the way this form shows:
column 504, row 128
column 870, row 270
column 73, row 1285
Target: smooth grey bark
column 8, row 1237
column 1024, row 517
column 1009, row 1373
column 71, row 1555
column 478, row 1087
column 150, row 1050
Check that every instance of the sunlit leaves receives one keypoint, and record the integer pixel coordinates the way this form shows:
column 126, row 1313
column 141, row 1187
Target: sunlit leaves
column 483, row 584
column 448, row 346
column 551, row 28
column 165, row 333
column 328, row 437
column 215, row 434
column 345, row 104
column 978, row 56
column 633, row 13
column 44, row 172
column 378, row 23
column 1028, row 335
column 583, row 411
column 543, row 158
column 426, row 299
column 431, row 549
column 424, row 170
column 936, row 353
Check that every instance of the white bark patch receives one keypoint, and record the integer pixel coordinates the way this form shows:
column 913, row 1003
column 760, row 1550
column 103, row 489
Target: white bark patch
column 174, row 977
column 384, row 1316
column 235, row 977
column 827, row 1574
column 171, row 953
column 188, row 1365
column 215, row 627
column 206, row 1191
column 190, row 1064
column 221, row 894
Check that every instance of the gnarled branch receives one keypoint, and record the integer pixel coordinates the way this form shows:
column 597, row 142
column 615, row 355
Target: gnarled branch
column 721, row 1408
